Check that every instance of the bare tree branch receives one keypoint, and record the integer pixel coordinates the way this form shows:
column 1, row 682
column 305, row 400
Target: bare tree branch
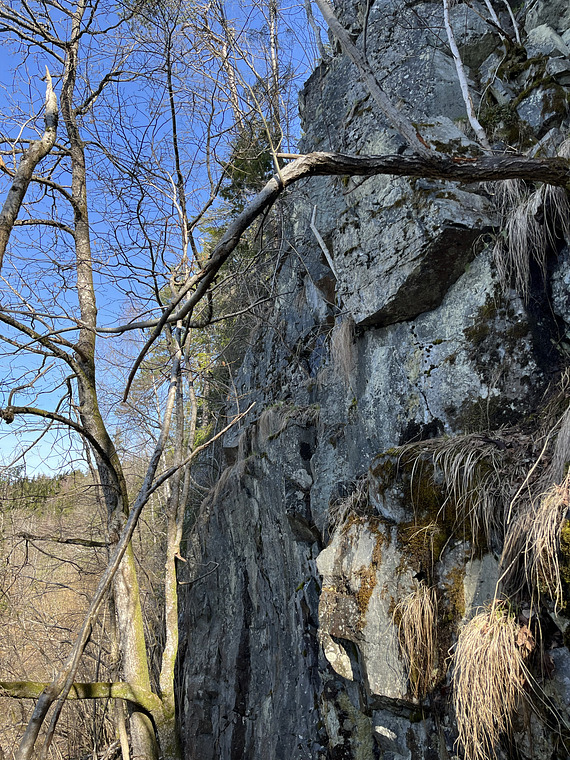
column 45, row 222
column 92, row 690
column 24, row 173
column 111, row 76
column 461, row 76
column 58, row 540
column 9, row 413
column 43, row 340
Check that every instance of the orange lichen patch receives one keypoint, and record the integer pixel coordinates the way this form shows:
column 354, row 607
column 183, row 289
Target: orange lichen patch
column 367, row 577
column 368, row 573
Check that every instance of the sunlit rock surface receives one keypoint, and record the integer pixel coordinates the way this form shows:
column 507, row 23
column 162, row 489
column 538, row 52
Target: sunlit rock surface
column 318, row 529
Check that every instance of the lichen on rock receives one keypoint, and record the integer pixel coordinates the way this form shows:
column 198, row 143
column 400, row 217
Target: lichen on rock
column 337, row 503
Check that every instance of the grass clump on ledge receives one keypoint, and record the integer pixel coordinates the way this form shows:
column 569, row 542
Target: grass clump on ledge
column 478, row 472
column 488, row 678
column 355, row 503
column 532, row 553
column 543, row 542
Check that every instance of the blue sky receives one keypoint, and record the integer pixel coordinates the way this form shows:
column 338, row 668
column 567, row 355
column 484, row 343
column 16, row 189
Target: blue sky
column 130, row 126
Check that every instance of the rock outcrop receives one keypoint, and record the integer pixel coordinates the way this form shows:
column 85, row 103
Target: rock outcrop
column 373, row 378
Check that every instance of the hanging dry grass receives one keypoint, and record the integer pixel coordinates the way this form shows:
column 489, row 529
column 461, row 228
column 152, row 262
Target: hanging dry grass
column 356, row 503
column 512, row 577
column 478, row 472
column 533, row 221
column 561, row 453
column 416, row 616
column 542, row 545
column 474, row 471
column 343, row 350
column 487, row 679
column 530, row 558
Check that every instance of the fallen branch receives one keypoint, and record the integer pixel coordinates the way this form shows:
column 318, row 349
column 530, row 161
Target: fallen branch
column 485, row 168
column 92, row 690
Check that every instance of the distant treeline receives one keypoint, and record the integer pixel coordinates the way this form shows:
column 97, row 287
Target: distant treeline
column 40, row 493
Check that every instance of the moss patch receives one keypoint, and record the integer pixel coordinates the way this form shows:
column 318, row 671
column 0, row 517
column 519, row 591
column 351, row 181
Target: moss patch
column 565, row 572
column 454, row 595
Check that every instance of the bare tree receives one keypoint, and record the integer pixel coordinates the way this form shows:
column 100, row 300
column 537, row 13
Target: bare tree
column 55, row 319
column 156, row 265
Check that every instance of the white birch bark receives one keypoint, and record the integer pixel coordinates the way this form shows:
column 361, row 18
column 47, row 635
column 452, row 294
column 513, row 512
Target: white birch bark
column 461, row 76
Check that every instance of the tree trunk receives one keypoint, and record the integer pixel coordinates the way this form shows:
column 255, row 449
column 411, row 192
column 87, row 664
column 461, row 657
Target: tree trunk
column 126, row 590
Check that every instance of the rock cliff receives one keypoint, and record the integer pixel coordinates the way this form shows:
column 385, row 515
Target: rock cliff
column 409, row 415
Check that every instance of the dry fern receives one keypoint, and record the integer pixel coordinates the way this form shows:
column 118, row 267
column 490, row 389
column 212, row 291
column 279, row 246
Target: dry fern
column 487, row 679
column 416, row 616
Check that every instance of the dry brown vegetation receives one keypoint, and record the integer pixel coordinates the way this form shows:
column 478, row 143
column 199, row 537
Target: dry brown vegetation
column 416, row 616
column 46, row 587
column 356, row 503
column 343, row 349
column 478, row 473
column 531, row 553
column 533, row 220
column 488, row 677
column 501, row 488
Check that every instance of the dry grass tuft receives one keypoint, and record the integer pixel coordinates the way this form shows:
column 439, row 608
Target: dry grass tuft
column 488, row 677
column 473, row 469
column 356, row 503
column 561, row 453
column 542, row 543
column 512, row 564
column 343, row 351
column 416, row 615
column 533, row 221
column 530, row 559
column 478, row 472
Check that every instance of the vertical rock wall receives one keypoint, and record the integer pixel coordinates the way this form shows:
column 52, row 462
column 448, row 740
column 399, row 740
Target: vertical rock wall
column 318, row 528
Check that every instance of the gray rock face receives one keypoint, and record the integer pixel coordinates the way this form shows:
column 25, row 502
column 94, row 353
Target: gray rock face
column 417, row 253
column 318, row 528
column 360, row 581
column 543, row 40
column 251, row 653
column 552, row 12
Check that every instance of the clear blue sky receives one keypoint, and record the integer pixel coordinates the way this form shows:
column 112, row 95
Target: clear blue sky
column 133, row 123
